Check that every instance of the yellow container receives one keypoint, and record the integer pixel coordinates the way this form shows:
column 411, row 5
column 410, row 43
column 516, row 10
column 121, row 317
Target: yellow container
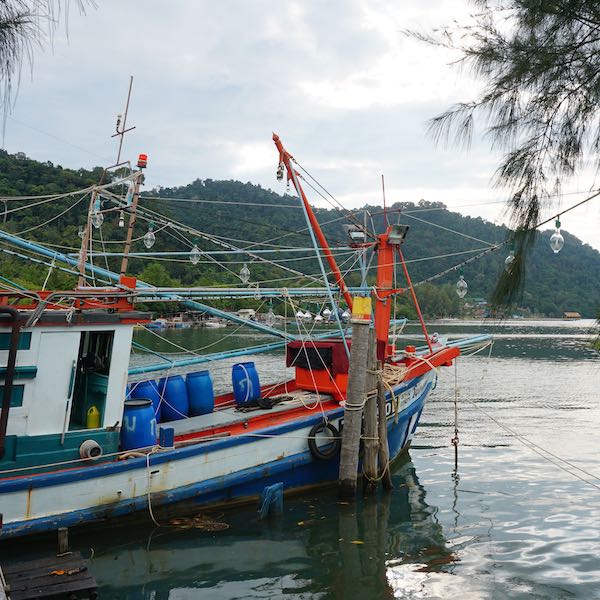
column 361, row 308
column 93, row 418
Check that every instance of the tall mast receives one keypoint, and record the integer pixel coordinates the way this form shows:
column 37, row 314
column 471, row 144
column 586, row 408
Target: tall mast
column 121, row 130
column 285, row 158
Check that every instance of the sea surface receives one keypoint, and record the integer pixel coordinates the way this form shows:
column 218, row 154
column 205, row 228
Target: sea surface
column 518, row 518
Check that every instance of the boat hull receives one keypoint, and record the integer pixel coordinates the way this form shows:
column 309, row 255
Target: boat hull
column 226, row 471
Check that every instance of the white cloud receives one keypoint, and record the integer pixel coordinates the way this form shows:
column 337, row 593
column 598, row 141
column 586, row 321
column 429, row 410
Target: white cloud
column 348, row 93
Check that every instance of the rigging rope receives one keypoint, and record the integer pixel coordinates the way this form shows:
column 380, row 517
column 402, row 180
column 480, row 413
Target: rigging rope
column 539, row 450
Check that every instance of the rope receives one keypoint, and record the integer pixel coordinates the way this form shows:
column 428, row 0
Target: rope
column 454, row 441
column 49, row 273
column 149, row 487
column 470, row 237
column 52, row 218
column 225, row 202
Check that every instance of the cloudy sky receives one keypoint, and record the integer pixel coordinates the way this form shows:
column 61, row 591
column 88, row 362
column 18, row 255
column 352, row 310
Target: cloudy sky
column 347, row 92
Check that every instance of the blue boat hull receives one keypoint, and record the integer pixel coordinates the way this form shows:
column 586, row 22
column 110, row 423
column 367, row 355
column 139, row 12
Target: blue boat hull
column 296, row 471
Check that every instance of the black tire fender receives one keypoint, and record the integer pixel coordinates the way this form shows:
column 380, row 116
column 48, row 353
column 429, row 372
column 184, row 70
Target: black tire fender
column 331, row 449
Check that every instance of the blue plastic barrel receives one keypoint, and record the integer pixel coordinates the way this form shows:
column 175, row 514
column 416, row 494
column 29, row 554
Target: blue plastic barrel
column 175, row 403
column 246, row 386
column 139, row 424
column 149, row 390
column 200, row 393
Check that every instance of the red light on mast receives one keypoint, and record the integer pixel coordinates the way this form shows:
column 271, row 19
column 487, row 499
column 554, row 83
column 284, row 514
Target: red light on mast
column 142, row 162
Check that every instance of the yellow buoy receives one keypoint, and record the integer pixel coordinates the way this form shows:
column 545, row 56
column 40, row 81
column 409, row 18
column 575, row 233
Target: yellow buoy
column 93, row 418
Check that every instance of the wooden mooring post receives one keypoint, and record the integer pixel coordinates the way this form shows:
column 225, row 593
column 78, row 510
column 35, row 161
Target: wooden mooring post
column 357, row 374
column 370, row 428
column 63, row 540
column 384, row 449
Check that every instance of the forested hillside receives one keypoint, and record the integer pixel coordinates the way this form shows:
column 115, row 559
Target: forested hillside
column 245, row 212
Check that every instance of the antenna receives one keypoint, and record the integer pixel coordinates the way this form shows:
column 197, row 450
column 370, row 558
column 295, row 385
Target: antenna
column 385, row 215
column 95, row 201
column 122, row 123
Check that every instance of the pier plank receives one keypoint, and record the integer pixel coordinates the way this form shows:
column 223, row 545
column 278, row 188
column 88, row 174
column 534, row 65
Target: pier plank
column 52, row 577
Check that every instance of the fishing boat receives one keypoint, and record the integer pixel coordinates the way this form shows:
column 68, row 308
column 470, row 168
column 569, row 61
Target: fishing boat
column 214, row 324
column 85, row 437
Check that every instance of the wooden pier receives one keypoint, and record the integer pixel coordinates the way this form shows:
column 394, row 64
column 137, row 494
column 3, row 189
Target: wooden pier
column 65, row 576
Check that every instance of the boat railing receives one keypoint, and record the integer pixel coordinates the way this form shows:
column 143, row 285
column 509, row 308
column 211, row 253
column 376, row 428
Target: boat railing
column 39, row 301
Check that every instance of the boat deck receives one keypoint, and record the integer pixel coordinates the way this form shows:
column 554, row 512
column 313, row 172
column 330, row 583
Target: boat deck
column 230, row 415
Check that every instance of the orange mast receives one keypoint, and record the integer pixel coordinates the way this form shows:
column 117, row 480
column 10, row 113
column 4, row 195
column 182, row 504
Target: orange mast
column 286, row 158
column 387, row 243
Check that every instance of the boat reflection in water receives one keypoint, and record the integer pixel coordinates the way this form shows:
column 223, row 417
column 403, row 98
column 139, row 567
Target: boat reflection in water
column 319, row 548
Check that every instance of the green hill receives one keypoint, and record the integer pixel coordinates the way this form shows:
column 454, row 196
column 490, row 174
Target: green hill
column 555, row 283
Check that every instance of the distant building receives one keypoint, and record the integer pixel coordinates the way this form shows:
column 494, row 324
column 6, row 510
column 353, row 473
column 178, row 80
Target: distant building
column 247, row 313
column 571, row 315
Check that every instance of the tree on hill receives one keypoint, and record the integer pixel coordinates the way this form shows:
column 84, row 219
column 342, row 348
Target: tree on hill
column 247, row 215
column 540, row 62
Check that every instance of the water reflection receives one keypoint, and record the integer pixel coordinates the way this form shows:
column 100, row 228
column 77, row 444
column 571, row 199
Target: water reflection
column 318, row 549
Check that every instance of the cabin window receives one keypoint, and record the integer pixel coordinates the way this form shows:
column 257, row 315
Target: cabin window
column 16, row 397
column 24, row 341
column 91, row 378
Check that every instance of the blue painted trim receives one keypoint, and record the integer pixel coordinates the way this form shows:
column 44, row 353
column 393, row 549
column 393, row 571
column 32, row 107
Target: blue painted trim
column 28, row 372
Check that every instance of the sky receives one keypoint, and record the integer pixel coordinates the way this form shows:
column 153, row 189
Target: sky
column 347, row 91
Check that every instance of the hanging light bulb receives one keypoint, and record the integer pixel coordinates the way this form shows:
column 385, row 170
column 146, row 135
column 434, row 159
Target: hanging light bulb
column 97, row 216
column 508, row 263
column 121, row 219
column 129, row 194
column 149, row 238
column 81, row 231
column 557, row 241
column 245, row 274
column 270, row 319
column 195, row 255
column 97, row 219
column 461, row 287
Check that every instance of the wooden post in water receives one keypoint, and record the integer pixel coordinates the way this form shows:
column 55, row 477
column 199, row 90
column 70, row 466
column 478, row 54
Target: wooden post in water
column 370, row 429
column 63, row 540
column 384, row 449
column 357, row 374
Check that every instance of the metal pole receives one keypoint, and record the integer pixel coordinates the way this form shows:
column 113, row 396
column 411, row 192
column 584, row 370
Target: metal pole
column 124, row 129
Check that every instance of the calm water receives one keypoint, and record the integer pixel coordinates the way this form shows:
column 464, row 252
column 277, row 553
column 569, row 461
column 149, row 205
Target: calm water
column 514, row 523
